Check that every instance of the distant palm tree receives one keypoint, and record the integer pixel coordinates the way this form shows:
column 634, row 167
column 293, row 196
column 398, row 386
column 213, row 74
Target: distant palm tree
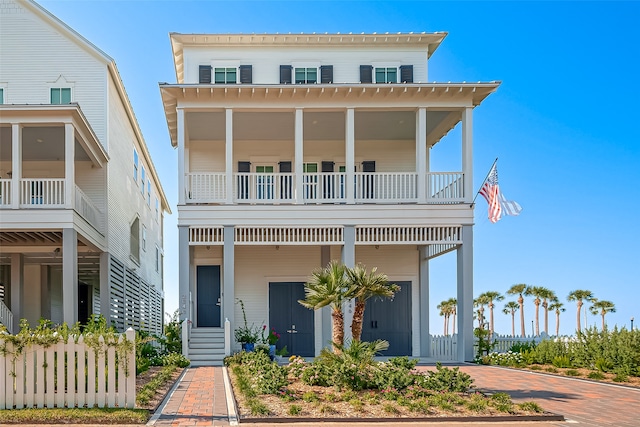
column 519, row 290
column 328, row 287
column 602, row 307
column 558, row 307
column 490, row 297
column 363, row 286
column 546, row 295
column 453, row 302
column 510, row 308
column 579, row 296
column 537, row 292
column 445, row 311
column 480, row 302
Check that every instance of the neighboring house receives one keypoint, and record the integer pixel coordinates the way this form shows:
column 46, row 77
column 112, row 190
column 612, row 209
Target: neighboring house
column 81, row 205
column 294, row 150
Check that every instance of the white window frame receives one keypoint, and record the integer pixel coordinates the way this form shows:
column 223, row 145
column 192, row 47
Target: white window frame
column 144, row 238
column 149, row 192
column 136, row 164
column 134, row 257
column 51, row 89
column 3, row 98
column 157, row 210
column 143, row 177
column 385, row 65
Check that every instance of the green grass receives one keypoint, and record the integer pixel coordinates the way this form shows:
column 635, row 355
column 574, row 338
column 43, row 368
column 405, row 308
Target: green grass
column 572, row 372
column 114, row 416
column 295, row 410
column 530, row 406
column 595, row 375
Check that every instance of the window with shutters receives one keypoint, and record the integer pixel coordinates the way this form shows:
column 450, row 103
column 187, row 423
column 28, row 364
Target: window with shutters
column 1, row 95
column 285, row 74
column 326, row 74
column 306, row 75
column 60, row 95
column 204, row 74
column 225, row 75
column 366, row 74
column 386, row 75
column 406, row 74
column 246, row 74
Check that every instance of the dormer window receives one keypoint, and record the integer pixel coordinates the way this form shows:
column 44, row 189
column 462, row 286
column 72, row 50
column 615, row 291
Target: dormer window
column 225, row 75
column 60, row 95
column 306, row 75
column 386, row 75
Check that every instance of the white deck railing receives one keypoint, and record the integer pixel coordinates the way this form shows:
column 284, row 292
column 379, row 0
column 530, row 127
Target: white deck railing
column 89, row 211
column 42, row 192
column 6, row 317
column 68, row 375
column 446, row 347
column 325, row 187
column 5, row 192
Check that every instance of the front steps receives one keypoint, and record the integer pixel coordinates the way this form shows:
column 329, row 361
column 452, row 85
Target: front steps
column 206, row 346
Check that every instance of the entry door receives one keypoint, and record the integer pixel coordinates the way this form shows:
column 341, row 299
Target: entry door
column 390, row 320
column 208, row 296
column 291, row 320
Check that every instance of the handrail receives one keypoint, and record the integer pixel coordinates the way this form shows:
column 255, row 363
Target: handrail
column 88, row 210
column 6, row 317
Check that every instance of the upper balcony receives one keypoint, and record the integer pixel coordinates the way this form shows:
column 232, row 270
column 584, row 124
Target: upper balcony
column 50, row 159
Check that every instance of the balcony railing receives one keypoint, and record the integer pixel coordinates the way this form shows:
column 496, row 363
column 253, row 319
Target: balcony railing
column 42, row 193
column 5, row 192
column 89, row 211
column 368, row 187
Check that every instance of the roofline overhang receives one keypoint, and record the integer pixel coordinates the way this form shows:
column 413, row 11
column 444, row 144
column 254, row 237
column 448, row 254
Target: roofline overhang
column 326, row 96
column 39, row 114
column 428, row 41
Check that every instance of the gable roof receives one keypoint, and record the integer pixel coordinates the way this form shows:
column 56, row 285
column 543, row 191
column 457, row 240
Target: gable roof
column 100, row 55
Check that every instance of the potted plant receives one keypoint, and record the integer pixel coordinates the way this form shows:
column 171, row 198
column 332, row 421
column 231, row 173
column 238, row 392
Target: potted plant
column 246, row 335
column 271, row 339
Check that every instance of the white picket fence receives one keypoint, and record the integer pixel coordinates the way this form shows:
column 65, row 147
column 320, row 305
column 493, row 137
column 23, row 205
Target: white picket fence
column 68, row 374
column 446, row 347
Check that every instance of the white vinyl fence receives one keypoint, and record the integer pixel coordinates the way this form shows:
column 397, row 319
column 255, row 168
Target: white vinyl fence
column 70, row 374
column 446, row 347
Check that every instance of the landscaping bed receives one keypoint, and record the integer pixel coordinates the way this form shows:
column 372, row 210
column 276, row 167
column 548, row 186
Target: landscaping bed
column 585, row 373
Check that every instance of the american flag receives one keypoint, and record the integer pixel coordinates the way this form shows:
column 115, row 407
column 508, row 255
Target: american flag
column 498, row 204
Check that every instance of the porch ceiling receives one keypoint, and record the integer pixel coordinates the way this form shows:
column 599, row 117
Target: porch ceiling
column 43, row 143
column 317, row 125
column 21, row 238
column 88, row 262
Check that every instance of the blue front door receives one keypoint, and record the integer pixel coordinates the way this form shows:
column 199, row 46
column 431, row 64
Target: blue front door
column 208, row 296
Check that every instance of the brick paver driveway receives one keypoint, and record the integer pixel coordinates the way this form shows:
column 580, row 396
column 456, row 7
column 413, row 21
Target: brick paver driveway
column 585, row 402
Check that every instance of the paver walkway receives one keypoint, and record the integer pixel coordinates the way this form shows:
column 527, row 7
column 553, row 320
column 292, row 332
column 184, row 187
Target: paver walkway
column 199, row 399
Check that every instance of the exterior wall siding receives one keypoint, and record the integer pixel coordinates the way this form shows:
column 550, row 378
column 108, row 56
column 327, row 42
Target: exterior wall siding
column 266, row 61
column 51, row 56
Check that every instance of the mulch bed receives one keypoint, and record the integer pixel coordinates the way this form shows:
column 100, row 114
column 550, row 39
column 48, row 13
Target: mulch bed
column 162, row 391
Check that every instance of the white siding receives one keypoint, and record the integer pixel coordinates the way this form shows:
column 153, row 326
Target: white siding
column 266, row 61
column 125, row 198
column 92, row 183
column 35, row 55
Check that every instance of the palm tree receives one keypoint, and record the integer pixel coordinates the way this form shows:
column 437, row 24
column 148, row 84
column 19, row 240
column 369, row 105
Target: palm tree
column 602, row 307
column 328, row 287
column 491, row 296
column 510, row 308
column 453, row 302
column 546, row 295
column 579, row 295
column 558, row 307
column 519, row 290
column 362, row 286
column 445, row 310
column 538, row 292
column 480, row 302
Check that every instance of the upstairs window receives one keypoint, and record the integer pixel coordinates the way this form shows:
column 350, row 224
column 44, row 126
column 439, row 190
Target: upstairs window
column 144, row 238
column 134, row 241
column 157, row 259
column 142, row 180
column 149, row 193
column 1, row 95
column 387, row 75
column 157, row 210
column 225, row 75
column 285, row 74
column 246, row 74
column 204, row 74
column 135, row 165
column 306, row 75
column 60, row 95
column 326, row 74
column 406, row 74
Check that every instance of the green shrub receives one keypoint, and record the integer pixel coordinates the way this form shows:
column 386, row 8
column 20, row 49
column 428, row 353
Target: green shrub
column 595, row 375
column 295, row 410
column 175, row 359
column 390, row 408
column 547, row 350
column 445, row 379
column 309, row 397
column 521, row 347
column 561, row 362
column 572, row 372
column 552, row 370
column 503, row 359
column 621, row 377
column 477, row 403
column 356, row 404
column 530, row 406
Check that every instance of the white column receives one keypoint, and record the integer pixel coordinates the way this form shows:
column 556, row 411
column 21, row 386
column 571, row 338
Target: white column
column 228, row 276
column 421, row 153
column 182, row 189
column 425, row 336
column 349, row 260
column 16, row 164
column 325, row 312
column 467, row 153
column 350, row 155
column 299, row 156
column 465, row 295
column 17, row 289
column 69, row 276
column 69, row 165
column 105, row 287
column 228, row 154
column 183, row 273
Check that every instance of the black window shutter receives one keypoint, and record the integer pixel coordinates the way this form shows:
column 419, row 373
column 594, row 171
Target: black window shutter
column 366, row 74
column 369, row 166
column 285, row 167
column 244, row 167
column 285, row 74
column 326, row 74
column 246, row 74
column 406, row 74
column 327, row 166
column 205, row 74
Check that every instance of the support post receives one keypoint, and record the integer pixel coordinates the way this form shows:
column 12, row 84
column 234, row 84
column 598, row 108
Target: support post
column 228, row 155
column 16, row 164
column 183, row 272
column 105, row 288
column 299, row 156
column 228, row 274
column 425, row 336
column 467, row 153
column 69, row 276
column 182, row 189
column 465, row 295
column 325, row 312
column 421, row 153
column 69, row 165
column 17, row 289
column 350, row 155
column 349, row 260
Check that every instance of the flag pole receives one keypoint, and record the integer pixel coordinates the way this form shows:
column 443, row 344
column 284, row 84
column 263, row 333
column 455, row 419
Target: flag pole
column 485, row 180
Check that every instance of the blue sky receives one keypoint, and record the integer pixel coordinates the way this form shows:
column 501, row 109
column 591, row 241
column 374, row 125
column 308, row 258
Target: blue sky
column 561, row 123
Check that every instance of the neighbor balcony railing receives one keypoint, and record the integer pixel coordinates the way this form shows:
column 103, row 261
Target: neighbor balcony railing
column 89, row 211
column 5, row 192
column 330, row 187
column 42, row 193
